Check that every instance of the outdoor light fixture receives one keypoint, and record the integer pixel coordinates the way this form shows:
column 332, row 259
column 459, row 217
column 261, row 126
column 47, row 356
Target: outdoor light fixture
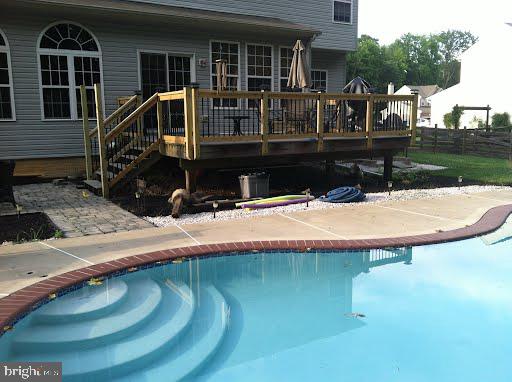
column 460, row 181
column 215, row 206
column 137, row 195
column 390, row 186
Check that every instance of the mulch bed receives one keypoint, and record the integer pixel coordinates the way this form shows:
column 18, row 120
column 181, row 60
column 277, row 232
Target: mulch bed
column 26, row 227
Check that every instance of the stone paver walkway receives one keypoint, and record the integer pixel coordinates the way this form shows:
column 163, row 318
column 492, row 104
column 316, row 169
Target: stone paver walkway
column 76, row 212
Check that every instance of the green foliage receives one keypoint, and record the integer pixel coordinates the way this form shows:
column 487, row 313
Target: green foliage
column 447, row 120
column 412, row 59
column 457, row 113
column 470, row 167
column 501, row 120
column 477, row 123
column 58, row 234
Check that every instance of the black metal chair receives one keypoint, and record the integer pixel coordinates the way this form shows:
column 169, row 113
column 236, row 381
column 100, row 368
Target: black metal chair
column 6, row 182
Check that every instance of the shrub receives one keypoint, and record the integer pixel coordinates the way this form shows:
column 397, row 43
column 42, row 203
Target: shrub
column 501, row 120
column 456, row 115
column 447, row 120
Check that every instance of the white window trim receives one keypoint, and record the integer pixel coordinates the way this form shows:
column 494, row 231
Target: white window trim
column 326, row 77
column 6, row 49
column 71, row 72
column 239, row 82
column 271, row 77
column 280, row 57
column 192, row 57
column 351, row 2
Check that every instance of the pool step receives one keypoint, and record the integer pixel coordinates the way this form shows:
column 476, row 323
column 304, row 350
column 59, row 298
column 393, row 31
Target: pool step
column 144, row 296
column 84, row 304
column 198, row 344
column 165, row 328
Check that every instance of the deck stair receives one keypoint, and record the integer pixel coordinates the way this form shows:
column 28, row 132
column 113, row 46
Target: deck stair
column 148, row 330
column 121, row 146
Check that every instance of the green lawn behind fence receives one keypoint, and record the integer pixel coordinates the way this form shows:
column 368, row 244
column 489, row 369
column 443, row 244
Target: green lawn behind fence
column 475, row 168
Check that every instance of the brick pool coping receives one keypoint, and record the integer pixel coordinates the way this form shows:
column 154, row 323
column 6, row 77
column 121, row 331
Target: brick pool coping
column 22, row 302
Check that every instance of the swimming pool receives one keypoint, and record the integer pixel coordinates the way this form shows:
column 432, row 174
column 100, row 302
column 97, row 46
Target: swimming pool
column 433, row 313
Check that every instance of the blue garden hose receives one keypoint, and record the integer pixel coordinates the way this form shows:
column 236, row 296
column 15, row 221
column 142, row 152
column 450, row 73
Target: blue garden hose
column 343, row 195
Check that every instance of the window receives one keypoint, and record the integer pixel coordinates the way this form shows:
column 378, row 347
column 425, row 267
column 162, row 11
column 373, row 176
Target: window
column 69, row 57
column 285, row 63
column 342, row 11
column 161, row 71
column 319, row 80
column 259, row 69
column 6, row 88
column 229, row 51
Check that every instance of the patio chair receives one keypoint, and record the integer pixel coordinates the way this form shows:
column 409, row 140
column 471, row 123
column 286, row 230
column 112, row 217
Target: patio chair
column 6, row 182
column 299, row 117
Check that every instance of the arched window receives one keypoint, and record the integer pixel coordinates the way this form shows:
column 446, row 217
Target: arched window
column 6, row 88
column 69, row 56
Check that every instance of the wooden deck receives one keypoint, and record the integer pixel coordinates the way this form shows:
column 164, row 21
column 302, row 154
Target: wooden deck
column 206, row 128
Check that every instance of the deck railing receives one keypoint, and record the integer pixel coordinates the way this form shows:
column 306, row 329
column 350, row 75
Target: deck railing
column 190, row 117
column 265, row 116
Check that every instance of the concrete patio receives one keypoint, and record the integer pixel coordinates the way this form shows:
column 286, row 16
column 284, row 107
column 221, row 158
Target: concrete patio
column 25, row 264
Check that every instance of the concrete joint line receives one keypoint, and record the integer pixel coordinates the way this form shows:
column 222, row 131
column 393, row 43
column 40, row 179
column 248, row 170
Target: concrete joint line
column 189, row 235
column 418, row 213
column 313, row 226
column 64, row 252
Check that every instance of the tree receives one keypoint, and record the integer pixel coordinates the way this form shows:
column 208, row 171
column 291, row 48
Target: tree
column 456, row 115
column 501, row 120
column 366, row 61
column 447, row 120
column 412, row 59
column 452, row 43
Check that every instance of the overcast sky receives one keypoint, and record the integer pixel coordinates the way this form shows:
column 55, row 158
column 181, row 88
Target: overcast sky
column 389, row 19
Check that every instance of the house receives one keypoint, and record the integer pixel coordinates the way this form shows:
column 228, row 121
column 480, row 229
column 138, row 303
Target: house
column 485, row 80
column 424, row 92
column 49, row 48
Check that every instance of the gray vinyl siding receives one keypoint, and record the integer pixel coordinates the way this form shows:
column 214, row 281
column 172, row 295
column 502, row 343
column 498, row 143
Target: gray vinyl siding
column 317, row 14
column 31, row 137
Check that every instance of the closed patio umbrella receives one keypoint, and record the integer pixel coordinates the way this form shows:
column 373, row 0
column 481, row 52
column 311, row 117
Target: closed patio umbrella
column 357, row 86
column 356, row 110
column 221, row 72
column 300, row 76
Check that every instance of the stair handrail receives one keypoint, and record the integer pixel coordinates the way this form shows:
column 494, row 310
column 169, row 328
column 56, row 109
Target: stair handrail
column 128, row 121
column 115, row 114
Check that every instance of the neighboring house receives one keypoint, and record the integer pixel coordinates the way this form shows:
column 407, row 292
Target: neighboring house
column 486, row 79
column 424, row 92
column 48, row 48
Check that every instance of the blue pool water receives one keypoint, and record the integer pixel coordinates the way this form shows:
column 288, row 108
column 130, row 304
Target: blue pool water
column 435, row 313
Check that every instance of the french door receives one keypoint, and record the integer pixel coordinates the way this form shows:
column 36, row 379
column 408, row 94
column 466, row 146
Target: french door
column 165, row 72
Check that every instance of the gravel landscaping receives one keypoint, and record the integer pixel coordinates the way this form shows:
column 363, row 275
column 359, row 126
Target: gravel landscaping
column 164, row 221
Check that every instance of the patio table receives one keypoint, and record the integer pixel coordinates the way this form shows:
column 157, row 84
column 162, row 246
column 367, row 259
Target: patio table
column 237, row 119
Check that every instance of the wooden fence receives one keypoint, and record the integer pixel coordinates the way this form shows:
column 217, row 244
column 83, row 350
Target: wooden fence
column 496, row 143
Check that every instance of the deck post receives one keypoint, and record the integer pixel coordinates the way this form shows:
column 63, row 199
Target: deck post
column 414, row 119
column 388, row 167
column 140, row 131
column 320, row 106
column 195, row 121
column 160, row 122
column 189, row 125
column 264, row 122
column 101, row 142
column 369, row 122
column 190, row 180
column 87, row 139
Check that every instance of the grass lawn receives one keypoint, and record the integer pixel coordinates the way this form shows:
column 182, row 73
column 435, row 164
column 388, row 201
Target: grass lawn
column 471, row 168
